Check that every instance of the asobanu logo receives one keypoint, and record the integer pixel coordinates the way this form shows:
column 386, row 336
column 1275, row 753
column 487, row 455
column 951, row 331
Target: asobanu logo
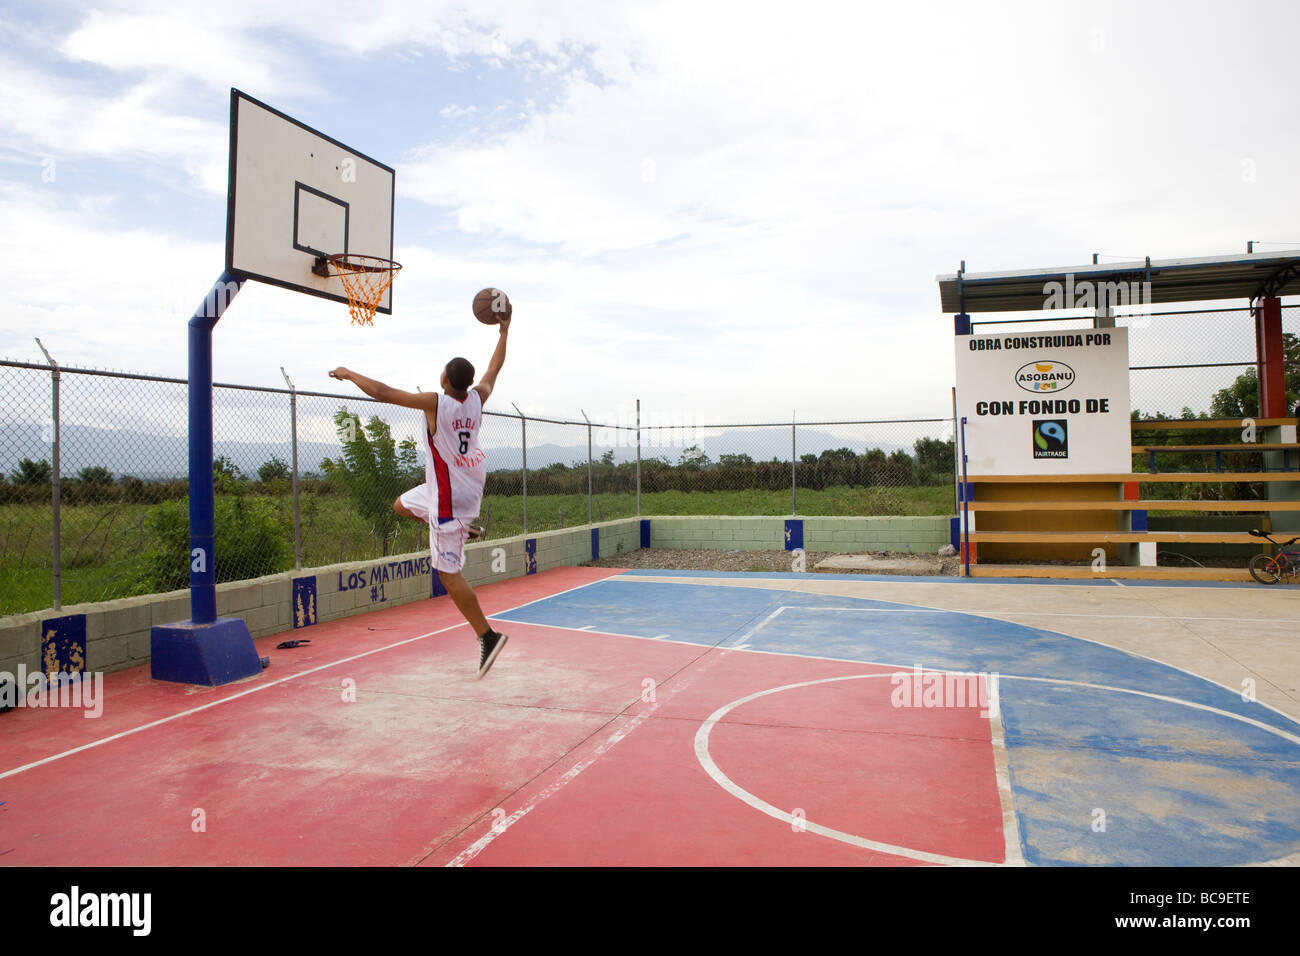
column 1042, row 377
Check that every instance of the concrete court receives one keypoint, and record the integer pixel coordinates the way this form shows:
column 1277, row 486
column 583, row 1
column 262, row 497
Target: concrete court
column 702, row 719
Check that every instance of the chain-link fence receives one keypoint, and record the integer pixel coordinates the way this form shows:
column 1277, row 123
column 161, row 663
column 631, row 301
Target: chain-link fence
column 94, row 477
column 1186, row 365
column 93, row 466
column 1182, row 364
column 888, row 467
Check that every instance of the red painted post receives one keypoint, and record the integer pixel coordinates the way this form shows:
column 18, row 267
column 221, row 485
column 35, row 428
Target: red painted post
column 1268, row 352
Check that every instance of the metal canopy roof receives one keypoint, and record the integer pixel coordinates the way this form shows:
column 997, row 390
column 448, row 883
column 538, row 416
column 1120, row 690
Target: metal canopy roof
column 1242, row 276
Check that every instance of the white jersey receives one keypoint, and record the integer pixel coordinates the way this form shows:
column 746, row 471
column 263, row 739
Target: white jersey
column 455, row 466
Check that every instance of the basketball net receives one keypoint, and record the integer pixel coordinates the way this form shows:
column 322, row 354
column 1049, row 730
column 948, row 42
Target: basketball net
column 365, row 280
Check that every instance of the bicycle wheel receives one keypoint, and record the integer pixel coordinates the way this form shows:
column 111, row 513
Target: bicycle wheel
column 1264, row 569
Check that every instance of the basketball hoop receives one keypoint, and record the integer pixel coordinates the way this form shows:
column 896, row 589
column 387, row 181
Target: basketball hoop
column 365, row 280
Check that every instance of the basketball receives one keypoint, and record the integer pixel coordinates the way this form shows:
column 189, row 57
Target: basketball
column 491, row 306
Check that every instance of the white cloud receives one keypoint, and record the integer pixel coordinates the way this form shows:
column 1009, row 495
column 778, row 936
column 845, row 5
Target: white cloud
column 61, row 119
column 740, row 210
column 177, row 43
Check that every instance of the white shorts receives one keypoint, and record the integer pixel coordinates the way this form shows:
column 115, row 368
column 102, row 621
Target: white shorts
column 447, row 536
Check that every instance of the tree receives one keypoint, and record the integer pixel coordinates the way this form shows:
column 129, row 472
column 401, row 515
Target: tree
column 841, row 455
column 694, row 459
column 31, row 472
column 252, row 540
column 95, row 475
column 1241, row 398
column 274, row 470
column 730, row 461
column 226, row 476
column 373, row 470
column 901, row 464
column 934, row 459
column 608, row 458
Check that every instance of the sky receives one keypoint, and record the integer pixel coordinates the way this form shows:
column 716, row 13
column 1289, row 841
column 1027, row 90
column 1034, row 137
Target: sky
column 730, row 211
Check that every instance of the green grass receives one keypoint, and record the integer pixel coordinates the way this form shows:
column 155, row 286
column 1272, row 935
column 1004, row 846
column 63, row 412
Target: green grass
column 103, row 544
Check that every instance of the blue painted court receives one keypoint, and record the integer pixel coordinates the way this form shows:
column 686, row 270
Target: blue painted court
column 1112, row 758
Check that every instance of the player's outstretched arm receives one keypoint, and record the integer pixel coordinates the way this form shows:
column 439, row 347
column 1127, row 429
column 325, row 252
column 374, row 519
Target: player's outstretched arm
column 425, row 401
column 489, row 379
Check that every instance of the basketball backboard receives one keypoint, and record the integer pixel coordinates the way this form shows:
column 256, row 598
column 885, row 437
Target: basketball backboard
column 296, row 194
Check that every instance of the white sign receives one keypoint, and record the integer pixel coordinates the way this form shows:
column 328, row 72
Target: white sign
column 1045, row 403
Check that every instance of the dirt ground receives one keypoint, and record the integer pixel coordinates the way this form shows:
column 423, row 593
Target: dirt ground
column 710, row 560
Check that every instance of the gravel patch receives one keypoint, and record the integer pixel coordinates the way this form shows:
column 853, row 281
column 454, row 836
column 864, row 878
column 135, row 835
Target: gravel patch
column 704, row 559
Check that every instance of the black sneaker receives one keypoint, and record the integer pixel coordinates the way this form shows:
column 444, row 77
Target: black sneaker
column 489, row 647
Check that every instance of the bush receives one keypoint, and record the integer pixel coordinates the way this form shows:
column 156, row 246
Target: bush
column 274, row 470
column 253, row 539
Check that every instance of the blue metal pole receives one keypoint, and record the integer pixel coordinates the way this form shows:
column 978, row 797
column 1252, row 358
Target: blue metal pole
column 203, row 576
column 965, row 501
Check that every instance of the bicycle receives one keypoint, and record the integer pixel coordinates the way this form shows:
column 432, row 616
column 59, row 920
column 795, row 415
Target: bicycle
column 1272, row 568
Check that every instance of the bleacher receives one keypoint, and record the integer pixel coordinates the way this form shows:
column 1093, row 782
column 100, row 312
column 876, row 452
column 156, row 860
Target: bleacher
column 1061, row 521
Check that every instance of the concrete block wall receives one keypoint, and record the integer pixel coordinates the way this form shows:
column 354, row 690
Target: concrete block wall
column 117, row 633
column 721, row 532
column 886, row 533
column 728, row 533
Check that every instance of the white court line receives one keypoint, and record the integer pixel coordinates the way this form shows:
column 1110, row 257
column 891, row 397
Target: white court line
column 726, row 783
column 584, row 630
column 1010, row 828
column 1010, row 821
column 992, row 616
column 1002, row 770
column 664, row 576
column 261, row 687
column 1120, row 617
column 482, row 843
column 1236, row 692
column 744, row 638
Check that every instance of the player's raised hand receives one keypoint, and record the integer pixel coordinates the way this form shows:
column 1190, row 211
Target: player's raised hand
column 341, row 373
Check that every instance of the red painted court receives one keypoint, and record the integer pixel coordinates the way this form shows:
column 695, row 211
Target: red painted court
column 375, row 745
column 655, row 718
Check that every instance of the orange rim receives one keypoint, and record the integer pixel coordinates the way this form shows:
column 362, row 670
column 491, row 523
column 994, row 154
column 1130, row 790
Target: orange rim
column 365, row 279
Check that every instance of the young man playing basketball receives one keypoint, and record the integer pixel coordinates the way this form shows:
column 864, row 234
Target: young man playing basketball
column 455, row 470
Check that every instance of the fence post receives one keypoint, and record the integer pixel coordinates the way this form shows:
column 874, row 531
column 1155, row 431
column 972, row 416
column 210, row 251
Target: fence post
column 523, row 428
column 638, row 457
column 57, row 483
column 590, row 519
column 794, row 493
column 293, row 425
column 956, row 462
column 965, row 496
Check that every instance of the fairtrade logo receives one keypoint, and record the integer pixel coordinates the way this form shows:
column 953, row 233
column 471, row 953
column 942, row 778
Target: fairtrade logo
column 1042, row 377
column 1050, row 439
